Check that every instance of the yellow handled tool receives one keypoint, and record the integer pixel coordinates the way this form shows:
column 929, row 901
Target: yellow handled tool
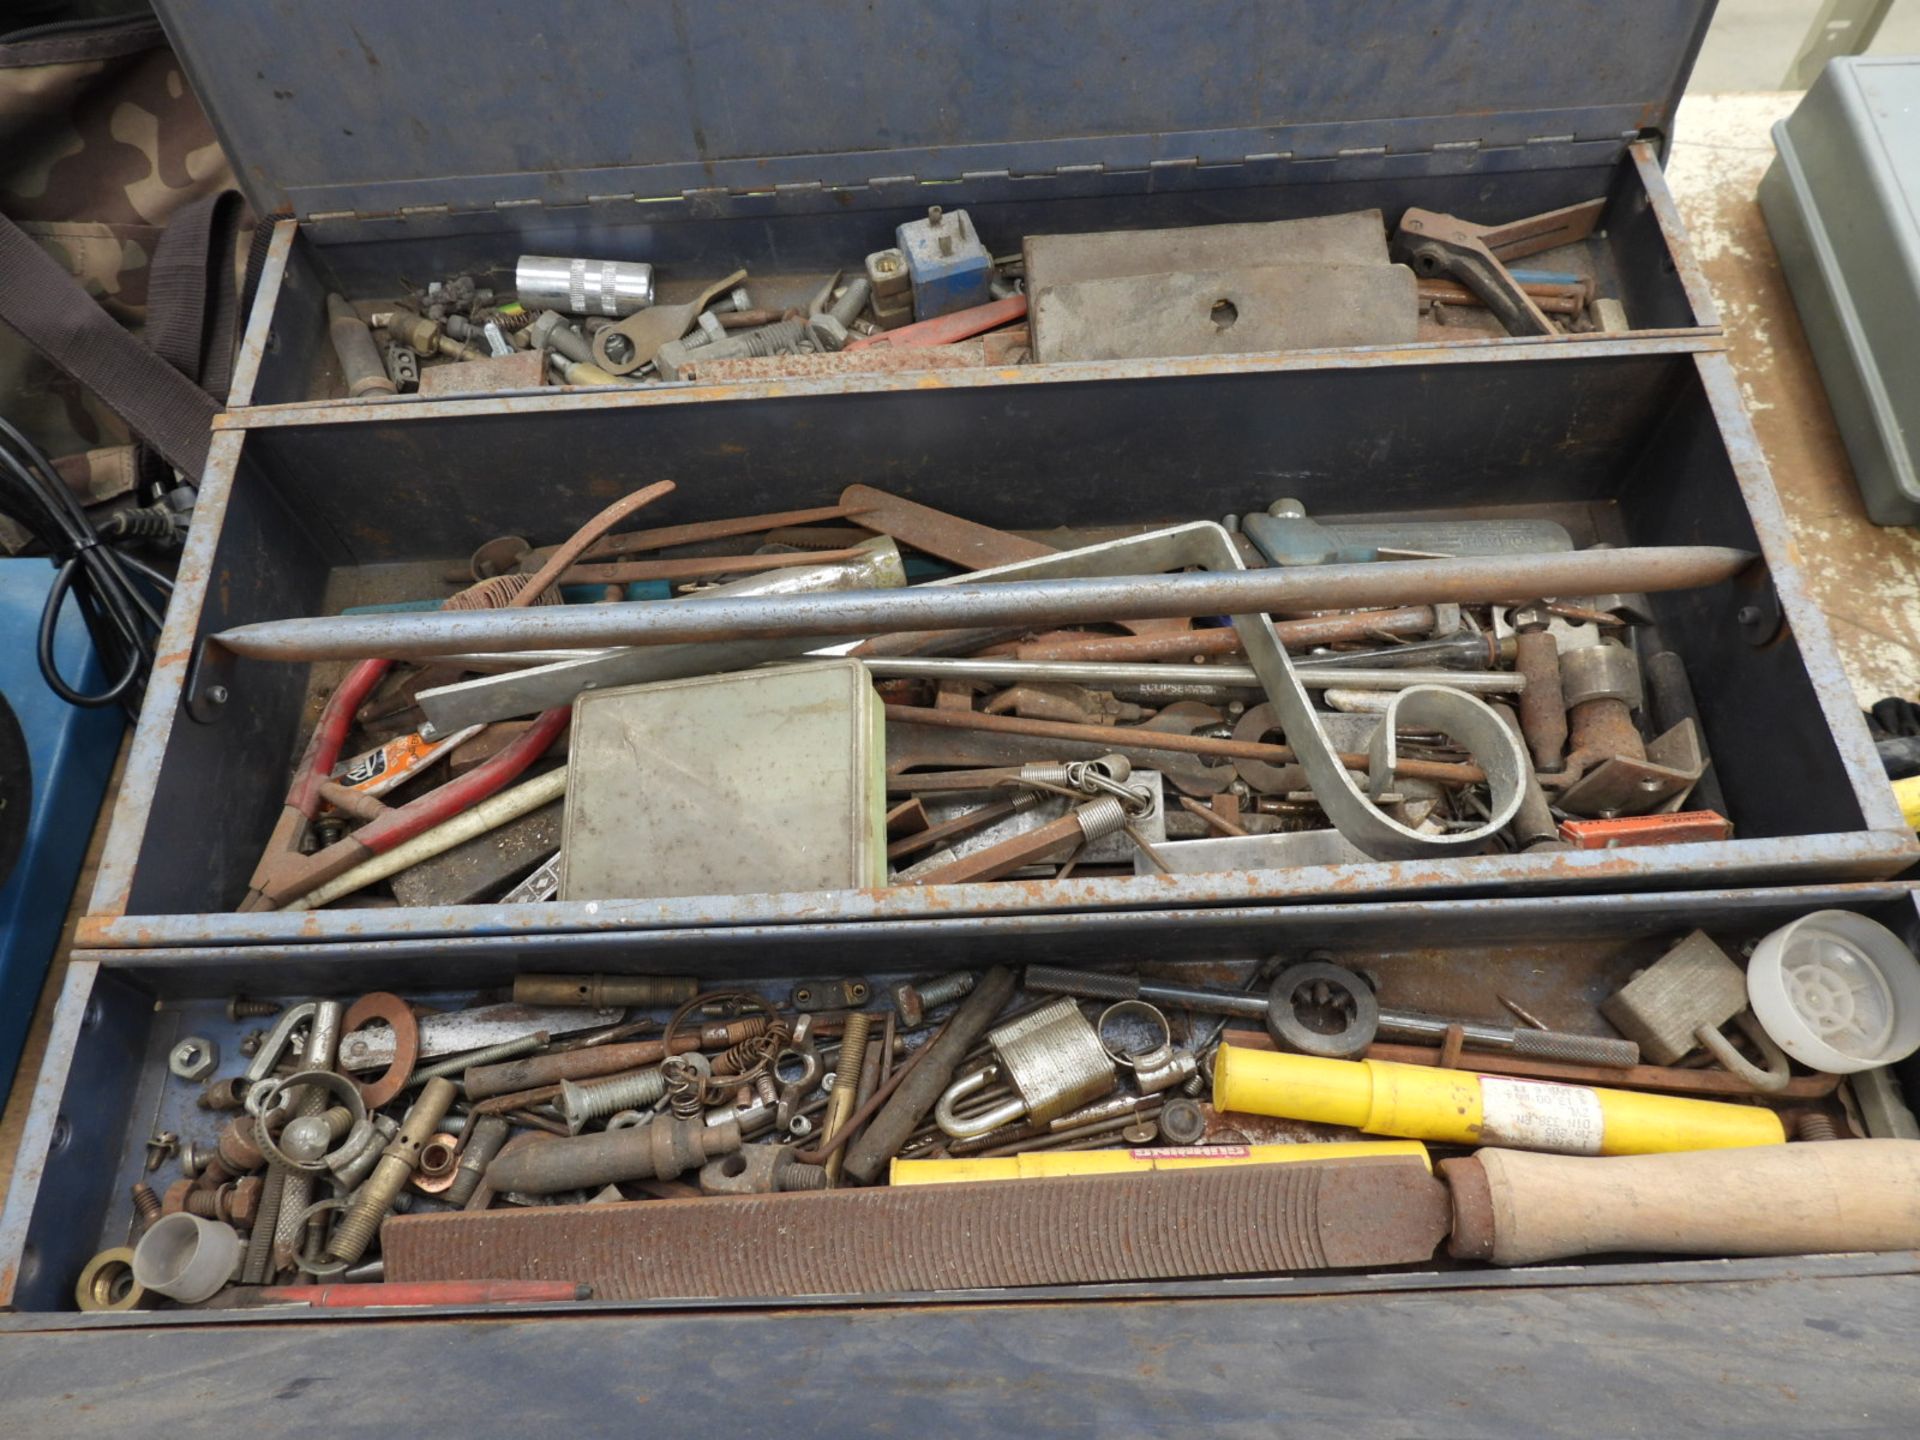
column 1463, row 1108
column 1041, row 1164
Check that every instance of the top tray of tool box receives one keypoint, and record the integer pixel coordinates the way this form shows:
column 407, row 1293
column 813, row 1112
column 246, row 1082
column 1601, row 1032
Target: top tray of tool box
column 791, row 140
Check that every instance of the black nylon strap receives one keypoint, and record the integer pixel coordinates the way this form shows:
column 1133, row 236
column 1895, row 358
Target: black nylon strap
column 191, row 293
column 60, row 320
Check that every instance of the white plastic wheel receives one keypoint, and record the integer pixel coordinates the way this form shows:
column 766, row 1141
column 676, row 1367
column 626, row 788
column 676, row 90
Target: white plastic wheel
column 1837, row 991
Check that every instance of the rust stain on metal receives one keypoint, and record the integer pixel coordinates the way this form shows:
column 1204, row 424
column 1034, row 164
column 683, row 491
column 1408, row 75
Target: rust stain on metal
column 1664, row 343
column 1165, row 1225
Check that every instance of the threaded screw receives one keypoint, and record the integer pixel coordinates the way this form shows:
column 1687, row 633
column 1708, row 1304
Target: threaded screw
column 846, row 1085
column 146, row 1203
column 801, row 1176
column 1815, row 1126
column 581, row 1103
column 377, row 1196
column 241, row 1008
column 913, row 1001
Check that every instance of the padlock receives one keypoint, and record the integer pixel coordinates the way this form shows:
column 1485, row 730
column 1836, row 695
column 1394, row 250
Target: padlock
column 1680, row 1003
column 1052, row 1058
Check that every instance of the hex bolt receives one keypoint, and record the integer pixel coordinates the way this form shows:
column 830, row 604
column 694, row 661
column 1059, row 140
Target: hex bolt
column 194, row 1159
column 375, row 1198
column 831, row 330
column 1543, row 709
column 581, row 1103
column 913, row 1001
column 241, row 1008
column 146, row 1204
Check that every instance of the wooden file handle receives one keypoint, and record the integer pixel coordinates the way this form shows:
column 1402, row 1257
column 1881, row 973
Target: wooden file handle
column 1515, row 1208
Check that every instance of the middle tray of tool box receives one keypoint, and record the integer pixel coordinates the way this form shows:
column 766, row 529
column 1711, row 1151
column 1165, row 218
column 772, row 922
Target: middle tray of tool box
column 312, row 511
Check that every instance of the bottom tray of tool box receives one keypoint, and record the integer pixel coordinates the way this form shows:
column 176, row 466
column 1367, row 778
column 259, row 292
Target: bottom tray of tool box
column 113, row 1110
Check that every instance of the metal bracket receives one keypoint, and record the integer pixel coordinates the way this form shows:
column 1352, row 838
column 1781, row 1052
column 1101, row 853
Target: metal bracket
column 851, row 993
column 209, row 683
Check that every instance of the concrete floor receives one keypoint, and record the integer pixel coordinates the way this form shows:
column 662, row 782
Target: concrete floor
column 1752, row 42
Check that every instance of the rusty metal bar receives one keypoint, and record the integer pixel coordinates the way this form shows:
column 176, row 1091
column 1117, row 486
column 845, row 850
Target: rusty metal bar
column 855, row 613
column 1300, row 634
column 700, row 567
column 1071, row 1230
column 1134, row 737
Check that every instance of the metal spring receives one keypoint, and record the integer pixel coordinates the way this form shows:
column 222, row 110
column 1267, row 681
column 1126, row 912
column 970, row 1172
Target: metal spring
column 753, row 1056
column 686, row 1088
column 495, row 594
column 1101, row 818
column 511, row 320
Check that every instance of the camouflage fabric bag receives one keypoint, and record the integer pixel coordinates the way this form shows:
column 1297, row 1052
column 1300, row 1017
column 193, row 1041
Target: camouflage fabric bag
column 101, row 144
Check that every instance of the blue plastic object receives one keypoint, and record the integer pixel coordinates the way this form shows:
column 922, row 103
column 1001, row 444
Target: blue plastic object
column 72, row 753
column 946, row 261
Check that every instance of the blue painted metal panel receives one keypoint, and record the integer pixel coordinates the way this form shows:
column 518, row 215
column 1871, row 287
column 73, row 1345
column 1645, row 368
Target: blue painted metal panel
column 1784, row 1352
column 72, row 754
column 363, row 105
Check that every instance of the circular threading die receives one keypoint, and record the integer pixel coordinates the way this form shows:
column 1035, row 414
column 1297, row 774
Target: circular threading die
column 264, row 1099
column 381, row 1005
column 1322, row 1009
column 107, row 1283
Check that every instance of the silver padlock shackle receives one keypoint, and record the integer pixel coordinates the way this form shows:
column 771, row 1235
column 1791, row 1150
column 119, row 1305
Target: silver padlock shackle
column 971, row 1083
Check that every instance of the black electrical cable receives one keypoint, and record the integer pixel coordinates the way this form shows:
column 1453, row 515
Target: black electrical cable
column 114, row 590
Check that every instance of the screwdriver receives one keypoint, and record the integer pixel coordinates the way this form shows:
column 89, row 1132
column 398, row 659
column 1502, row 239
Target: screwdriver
column 1395, row 1024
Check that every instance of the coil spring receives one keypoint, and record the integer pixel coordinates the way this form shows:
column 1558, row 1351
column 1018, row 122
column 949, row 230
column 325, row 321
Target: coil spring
column 686, row 1088
column 754, row 1056
column 511, row 320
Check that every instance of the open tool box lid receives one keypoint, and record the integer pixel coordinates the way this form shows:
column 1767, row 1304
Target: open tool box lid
column 439, row 117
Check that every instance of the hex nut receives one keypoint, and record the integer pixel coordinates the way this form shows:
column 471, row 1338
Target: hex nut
column 243, row 1201
column 175, row 1200
column 194, row 1058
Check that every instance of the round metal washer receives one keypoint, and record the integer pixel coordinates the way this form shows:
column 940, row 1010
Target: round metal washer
column 1349, row 1001
column 381, row 1005
column 108, row 1284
